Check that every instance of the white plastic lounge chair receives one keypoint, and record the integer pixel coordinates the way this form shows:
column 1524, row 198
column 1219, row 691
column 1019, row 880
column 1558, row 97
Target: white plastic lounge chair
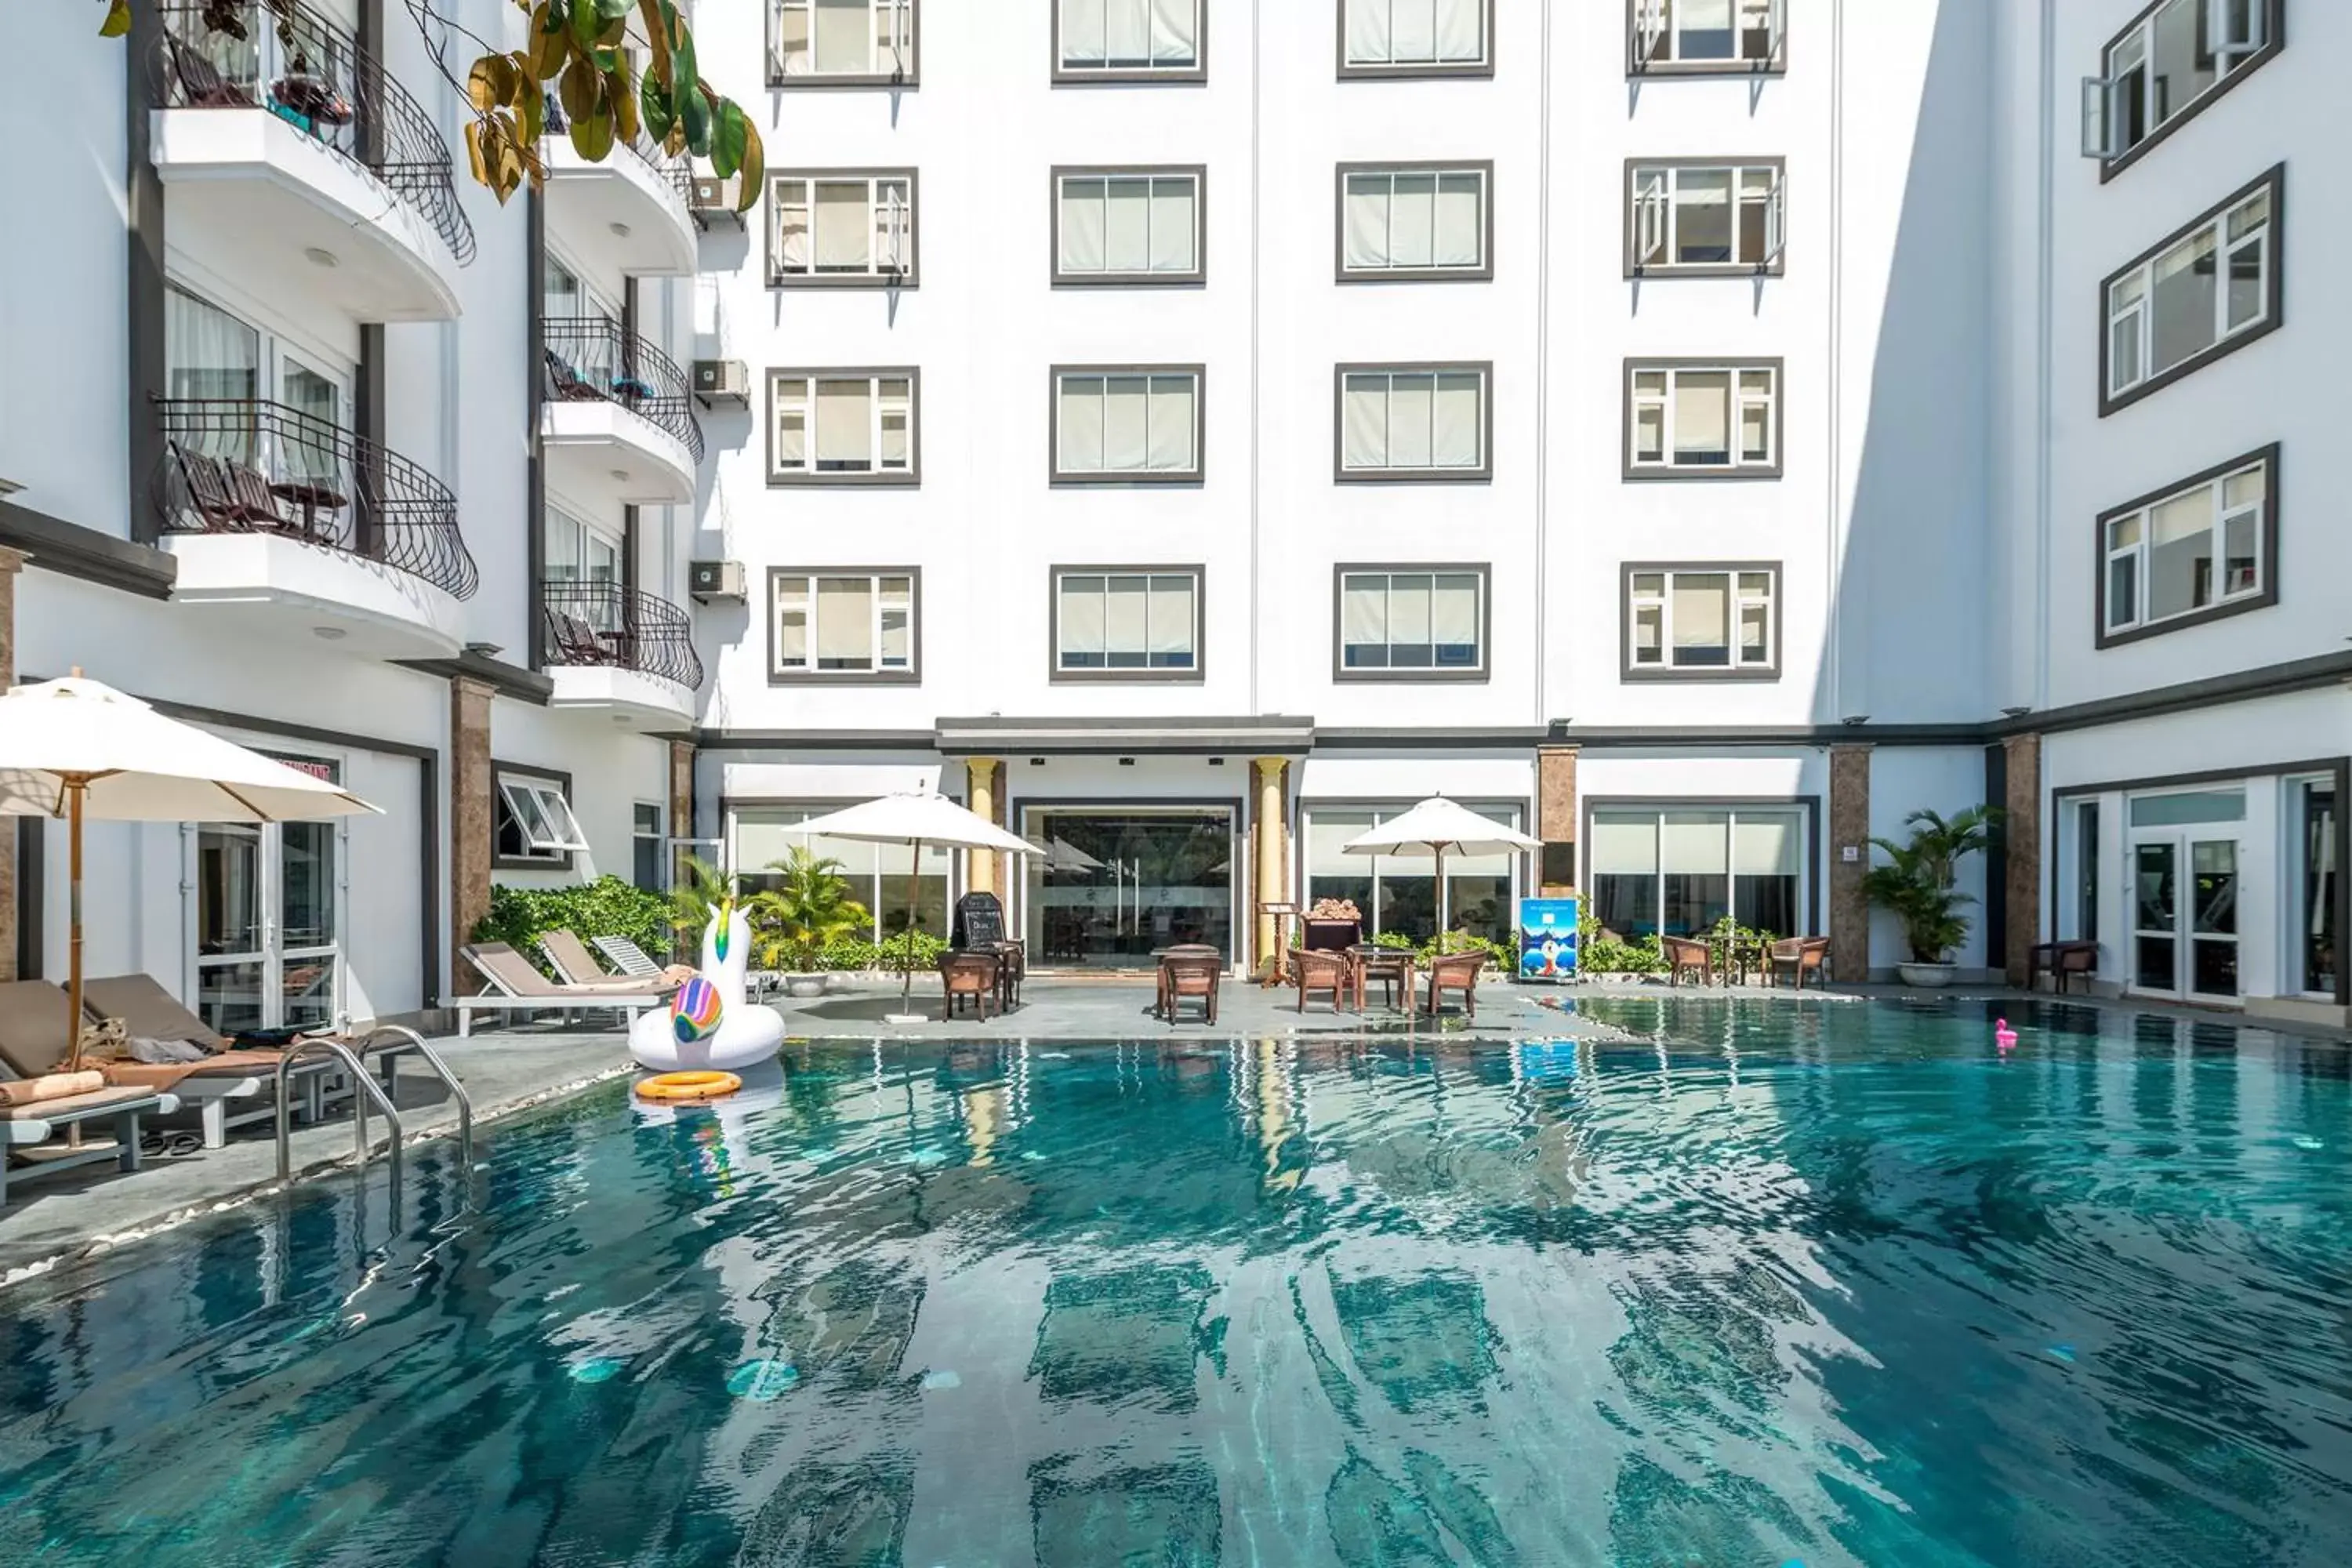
column 516, row 987
column 575, row 966
column 26, row 1129
column 627, row 957
column 33, row 1042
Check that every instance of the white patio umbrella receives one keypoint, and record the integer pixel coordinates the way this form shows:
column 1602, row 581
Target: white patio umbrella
column 1061, row 855
column 915, row 818
column 1433, row 827
column 76, row 748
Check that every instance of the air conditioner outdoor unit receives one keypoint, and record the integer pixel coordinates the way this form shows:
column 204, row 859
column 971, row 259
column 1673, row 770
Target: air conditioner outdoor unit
column 718, row 381
column 715, row 198
column 715, row 579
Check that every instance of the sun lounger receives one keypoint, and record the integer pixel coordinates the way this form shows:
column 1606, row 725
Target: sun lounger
column 627, row 957
column 577, row 966
column 28, row 1133
column 516, row 987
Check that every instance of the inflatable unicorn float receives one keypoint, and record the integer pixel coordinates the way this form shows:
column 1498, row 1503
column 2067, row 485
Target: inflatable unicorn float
column 699, row 1044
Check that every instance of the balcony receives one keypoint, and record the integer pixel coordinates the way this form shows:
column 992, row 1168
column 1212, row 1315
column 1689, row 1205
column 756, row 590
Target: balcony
column 617, row 426
column 618, row 650
column 629, row 209
column 299, row 525
column 320, row 177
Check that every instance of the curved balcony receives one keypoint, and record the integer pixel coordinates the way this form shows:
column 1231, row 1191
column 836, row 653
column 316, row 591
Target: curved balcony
column 617, row 424
column 634, row 212
column 303, row 521
column 621, row 650
column 332, row 183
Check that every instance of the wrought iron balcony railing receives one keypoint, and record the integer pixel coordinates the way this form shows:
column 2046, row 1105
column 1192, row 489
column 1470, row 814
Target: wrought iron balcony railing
column 285, row 57
column 243, row 465
column 678, row 174
column 591, row 357
column 605, row 623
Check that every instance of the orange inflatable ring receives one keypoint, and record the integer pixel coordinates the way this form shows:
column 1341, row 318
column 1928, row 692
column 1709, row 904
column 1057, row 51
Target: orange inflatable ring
column 688, row 1088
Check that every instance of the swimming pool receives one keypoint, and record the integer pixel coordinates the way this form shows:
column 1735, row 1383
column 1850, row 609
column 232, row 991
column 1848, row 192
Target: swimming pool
column 1831, row 1283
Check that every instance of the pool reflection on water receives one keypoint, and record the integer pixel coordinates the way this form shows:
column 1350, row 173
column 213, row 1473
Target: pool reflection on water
column 1826, row 1283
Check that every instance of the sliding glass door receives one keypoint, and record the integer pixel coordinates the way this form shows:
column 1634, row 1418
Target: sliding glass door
column 1677, row 870
column 1111, row 886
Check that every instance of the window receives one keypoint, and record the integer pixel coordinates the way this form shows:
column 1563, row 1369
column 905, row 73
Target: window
column 2173, row 59
column 2203, row 549
column 1416, row 37
column 646, row 846
column 1703, row 35
column 842, row 42
column 1414, row 422
column 1427, row 623
column 764, row 835
column 2204, row 291
column 1128, row 40
column 211, row 356
column 1136, row 424
column 849, row 427
column 1703, row 219
column 1398, row 892
column 1676, row 869
column 2086, row 871
column 1701, row 419
column 1111, row 624
column 842, row 227
column 1418, row 222
column 1128, row 226
column 2316, row 845
column 532, row 823
column 851, row 624
column 1684, row 622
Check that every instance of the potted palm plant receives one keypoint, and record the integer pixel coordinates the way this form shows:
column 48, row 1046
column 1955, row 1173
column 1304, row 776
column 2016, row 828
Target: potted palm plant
column 1917, row 884
column 794, row 922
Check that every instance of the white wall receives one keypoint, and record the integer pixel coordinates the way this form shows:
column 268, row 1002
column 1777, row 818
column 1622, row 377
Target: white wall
column 1905, row 779
column 613, row 769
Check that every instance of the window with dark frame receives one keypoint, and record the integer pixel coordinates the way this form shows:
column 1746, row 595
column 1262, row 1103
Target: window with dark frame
column 2168, row 63
column 1129, row 226
column 842, row 227
column 2201, row 292
column 648, row 864
column 842, row 624
column 1702, row 621
column 1414, row 422
column 1416, row 37
column 820, row 43
column 1700, row 418
column 1695, row 217
column 1126, row 425
column 1707, row 36
column 843, row 426
column 1127, row 40
column 1111, row 624
column 1424, row 222
column 2201, row 549
column 532, row 820
column 1408, row 622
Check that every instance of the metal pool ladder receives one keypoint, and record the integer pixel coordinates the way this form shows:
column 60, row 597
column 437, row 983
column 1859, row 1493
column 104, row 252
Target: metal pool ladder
column 365, row 1089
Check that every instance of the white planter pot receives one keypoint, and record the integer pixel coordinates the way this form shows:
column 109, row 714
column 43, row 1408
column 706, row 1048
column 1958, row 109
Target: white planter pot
column 1928, row 977
column 803, row 985
column 836, row 980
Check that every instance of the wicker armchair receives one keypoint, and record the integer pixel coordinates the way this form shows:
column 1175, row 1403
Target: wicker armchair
column 1798, row 956
column 1455, row 971
column 963, row 976
column 1190, row 974
column 1686, row 953
column 1332, row 972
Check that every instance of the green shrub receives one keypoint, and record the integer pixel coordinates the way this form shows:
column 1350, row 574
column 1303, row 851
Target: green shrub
column 894, row 954
column 1599, row 954
column 606, row 906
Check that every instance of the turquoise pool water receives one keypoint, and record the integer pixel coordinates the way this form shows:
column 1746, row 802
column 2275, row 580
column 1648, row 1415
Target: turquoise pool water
column 1822, row 1283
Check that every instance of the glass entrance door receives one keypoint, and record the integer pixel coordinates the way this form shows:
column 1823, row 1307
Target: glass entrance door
column 1111, row 886
column 2185, row 930
column 269, row 921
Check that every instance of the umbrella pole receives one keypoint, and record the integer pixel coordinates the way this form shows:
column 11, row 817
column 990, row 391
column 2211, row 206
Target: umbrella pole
column 76, row 783
column 1441, row 899
column 907, row 954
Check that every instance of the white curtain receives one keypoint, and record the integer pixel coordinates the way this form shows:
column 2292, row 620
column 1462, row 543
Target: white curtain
column 844, row 622
column 1082, row 616
column 791, row 399
column 896, row 424
column 1461, row 229
column 844, row 425
column 1694, row 842
column 1081, row 424
column 1368, row 31
column 844, row 37
column 1171, row 447
column 1624, row 843
column 1766, row 844
column 1171, row 620
column 897, row 622
column 1702, row 611
column 1174, row 38
column 843, row 229
column 1460, row 26
column 207, row 351
column 1454, row 610
column 793, row 36
column 1365, row 422
column 1702, row 412
column 1454, row 436
column 1126, row 423
column 1082, row 32
column 792, row 624
column 1367, row 221
column 791, row 227
column 1126, row 30
column 1364, row 611
column 1128, row 226
column 1127, row 607
column 1409, row 420
column 1412, row 31
column 1413, row 220
column 1173, row 200
column 1409, row 609
column 1084, row 229
column 1328, row 833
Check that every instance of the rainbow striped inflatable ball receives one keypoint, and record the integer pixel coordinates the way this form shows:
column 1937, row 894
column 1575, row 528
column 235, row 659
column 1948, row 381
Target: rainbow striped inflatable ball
column 694, row 1015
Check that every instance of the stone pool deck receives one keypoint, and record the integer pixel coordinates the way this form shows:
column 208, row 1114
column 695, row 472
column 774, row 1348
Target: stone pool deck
column 60, row 1218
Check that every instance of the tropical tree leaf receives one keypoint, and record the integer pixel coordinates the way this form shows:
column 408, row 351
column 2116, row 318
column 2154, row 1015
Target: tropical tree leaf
column 727, row 133
column 475, row 159
column 549, row 49
column 682, row 78
column 660, row 18
column 753, row 174
column 624, row 100
column 587, row 22
column 592, row 136
column 697, row 120
column 490, row 83
column 118, row 19
column 612, row 10
column 653, row 102
column 579, row 90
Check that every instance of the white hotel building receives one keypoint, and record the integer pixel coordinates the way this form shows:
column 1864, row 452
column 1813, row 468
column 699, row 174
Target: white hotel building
column 1701, row 431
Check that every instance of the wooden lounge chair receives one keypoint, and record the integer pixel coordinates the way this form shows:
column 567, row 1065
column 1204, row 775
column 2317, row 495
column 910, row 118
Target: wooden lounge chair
column 2061, row 961
column 33, row 1043
column 1683, row 954
column 1193, row 974
column 1799, row 956
column 514, row 986
column 966, row 975
column 202, row 86
column 1314, row 971
column 1455, row 971
column 566, row 384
